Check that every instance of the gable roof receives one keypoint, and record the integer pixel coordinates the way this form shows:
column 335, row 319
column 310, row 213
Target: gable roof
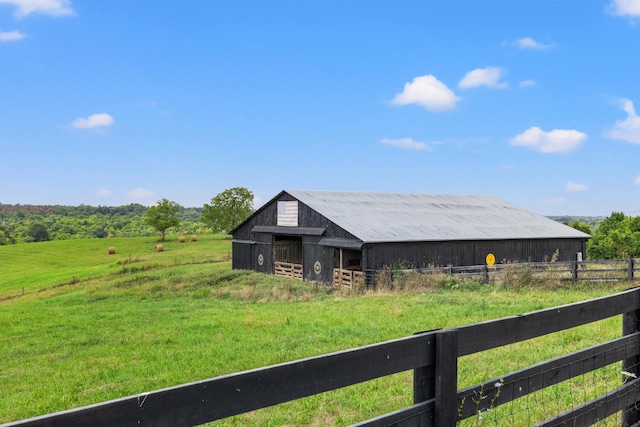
column 402, row 217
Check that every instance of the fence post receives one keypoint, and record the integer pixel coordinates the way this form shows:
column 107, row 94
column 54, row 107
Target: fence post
column 630, row 268
column 446, row 378
column 574, row 271
column 485, row 274
column 630, row 325
column 424, row 380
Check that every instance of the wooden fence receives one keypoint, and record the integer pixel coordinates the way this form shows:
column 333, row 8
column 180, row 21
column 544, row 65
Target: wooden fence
column 348, row 278
column 433, row 357
column 574, row 271
column 288, row 269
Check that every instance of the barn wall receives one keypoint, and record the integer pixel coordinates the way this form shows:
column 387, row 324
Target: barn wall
column 247, row 255
column 266, row 250
column 241, row 256
column 425, row 254
column 314, row 253
column 266, row 216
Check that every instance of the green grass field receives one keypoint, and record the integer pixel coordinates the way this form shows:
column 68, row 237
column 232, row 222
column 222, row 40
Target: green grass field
column 127, row 326
column 41, row 265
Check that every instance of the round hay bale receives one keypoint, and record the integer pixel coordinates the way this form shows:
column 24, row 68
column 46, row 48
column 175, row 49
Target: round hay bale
column 181, row 239
column 185, row 232
column 159, row 248
column 193, row 238
column 111, row 250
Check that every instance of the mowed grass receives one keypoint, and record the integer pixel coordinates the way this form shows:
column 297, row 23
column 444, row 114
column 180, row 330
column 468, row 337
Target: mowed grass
column 37, row 266
column 144, row 329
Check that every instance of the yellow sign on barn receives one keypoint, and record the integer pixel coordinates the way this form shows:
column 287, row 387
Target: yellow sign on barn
column 490, row 259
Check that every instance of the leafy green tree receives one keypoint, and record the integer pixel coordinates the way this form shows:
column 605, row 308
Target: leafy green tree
column 228, row 209
column 163, row 216
column 580, row 226
column 616, row 237
column 5, row 237
column 37, row 232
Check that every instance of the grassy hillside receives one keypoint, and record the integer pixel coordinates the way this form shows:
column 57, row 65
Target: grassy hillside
column 176, row 321
column 36, row 266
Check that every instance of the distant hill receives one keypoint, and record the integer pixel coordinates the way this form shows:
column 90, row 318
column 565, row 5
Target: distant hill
column 568, row 219
column 81, row 222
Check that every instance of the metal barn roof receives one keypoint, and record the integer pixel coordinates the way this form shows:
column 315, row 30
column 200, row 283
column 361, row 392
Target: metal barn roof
column 402, row 217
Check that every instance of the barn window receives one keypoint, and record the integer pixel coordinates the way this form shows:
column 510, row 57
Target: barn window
column 288, row 214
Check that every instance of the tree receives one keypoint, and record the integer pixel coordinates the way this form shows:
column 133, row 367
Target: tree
column 228, row 209
column 616, row 237
column 38, row 232
column 580, row 226
column 5, row 237
column 163, row 216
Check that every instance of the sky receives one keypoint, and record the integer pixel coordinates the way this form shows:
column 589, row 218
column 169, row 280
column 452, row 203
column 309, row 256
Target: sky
column 107, row 103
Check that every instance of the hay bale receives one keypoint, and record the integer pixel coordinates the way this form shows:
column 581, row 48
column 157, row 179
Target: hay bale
column 181, row 239
column 193, row 239
column 159, row 248
column 158, row 234
column 110, row 236
column 111, row 250
column 185, row 232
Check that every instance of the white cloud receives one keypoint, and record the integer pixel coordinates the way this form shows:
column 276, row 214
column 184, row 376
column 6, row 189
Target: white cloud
column 46, row 7
column 428, row 92
column 488, row 77
column 528, row 83
column 573, row 187
column 636, row 181
column 557, row 141
column 529, row 43
column 628, row 129
column 10, row 36
column 625, row 7
column 406, row 144
column 103, row 192
column 141, row 193
column 94, row 120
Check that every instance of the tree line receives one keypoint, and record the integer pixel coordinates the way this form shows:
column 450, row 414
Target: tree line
column 29, row 223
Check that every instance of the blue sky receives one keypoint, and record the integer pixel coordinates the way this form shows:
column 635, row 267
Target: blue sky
column 116, row 102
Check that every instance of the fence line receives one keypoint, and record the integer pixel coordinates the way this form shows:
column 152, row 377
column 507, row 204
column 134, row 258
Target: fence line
column 574, row 271
column 433, row 357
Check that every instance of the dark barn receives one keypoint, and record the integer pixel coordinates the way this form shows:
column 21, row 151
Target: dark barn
column 319, row 235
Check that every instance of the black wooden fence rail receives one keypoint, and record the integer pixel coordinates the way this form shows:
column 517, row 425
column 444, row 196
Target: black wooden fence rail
column 433, row 357
column 574, row 271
